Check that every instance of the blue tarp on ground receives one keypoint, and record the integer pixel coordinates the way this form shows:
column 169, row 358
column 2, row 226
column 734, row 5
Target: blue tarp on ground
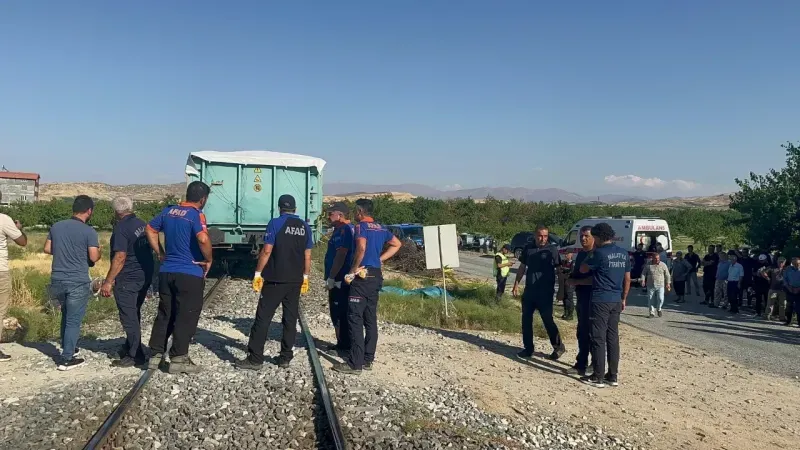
column 428, row 292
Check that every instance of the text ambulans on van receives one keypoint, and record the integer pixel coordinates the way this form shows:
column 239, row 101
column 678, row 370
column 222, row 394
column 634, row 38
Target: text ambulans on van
column 629, row 232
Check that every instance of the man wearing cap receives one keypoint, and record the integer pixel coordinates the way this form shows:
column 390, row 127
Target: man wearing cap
column 186, row 259
column 362, row 309
column 501, row 268
column 338, row 259
column 761, row 284
column 281, row 276
column 129, row 277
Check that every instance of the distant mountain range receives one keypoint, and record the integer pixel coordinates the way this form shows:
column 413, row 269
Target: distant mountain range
column 403, row 192
column 546, row 195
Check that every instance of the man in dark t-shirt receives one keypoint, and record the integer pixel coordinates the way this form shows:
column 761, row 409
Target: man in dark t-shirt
column 639, row 260
column 694, row 261
column 710, row 264
column 610, row 267
column 538, row 264
column 583, row 290
column 130, row 276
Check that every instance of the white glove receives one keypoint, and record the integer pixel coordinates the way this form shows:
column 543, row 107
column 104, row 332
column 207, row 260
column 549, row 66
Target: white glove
column 330, row 284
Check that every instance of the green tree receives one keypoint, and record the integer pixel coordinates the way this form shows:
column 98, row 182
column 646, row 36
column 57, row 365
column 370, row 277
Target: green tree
column 769, row 204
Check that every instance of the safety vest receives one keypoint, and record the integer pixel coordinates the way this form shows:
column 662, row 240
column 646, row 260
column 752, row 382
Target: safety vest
column 503, row 271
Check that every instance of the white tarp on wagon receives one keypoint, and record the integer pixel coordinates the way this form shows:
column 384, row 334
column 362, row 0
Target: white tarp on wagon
column 254, row 158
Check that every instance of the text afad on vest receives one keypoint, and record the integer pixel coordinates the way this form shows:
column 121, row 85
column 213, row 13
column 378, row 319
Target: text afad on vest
column 296, row 231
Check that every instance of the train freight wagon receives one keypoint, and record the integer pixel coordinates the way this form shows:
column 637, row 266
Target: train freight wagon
column 245, row 187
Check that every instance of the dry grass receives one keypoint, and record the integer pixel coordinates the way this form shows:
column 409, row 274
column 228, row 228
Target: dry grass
column 30, row 277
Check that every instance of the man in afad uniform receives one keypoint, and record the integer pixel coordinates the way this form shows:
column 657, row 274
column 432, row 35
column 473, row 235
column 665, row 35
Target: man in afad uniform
column 500, row 270
column 181, row 279
column 129, row 278
column 338, row 259
column 281, row 276
column 538, row 264
column 610, row 267
column 583, row 290
column 362, row 313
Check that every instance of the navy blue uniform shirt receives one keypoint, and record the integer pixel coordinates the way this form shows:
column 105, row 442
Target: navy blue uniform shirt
column 342, row 237
column 181, row 224
column 609, row 264
column 377, row 236
column 275, row 225
column 584, row 291
column 540, row 266
column 290, row 237
column 129, row 237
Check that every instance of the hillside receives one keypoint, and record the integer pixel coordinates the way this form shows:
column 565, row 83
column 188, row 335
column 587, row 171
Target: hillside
column 102, row 191
column 721, row 201
column 336, row 192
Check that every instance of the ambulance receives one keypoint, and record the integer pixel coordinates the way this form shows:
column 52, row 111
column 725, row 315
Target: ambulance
column 629, row 232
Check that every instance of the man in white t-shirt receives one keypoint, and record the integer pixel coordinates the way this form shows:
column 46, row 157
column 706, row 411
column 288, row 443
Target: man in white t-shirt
column 9, row 230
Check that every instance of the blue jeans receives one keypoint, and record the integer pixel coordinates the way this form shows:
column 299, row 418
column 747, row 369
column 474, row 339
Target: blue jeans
column 73, row 297
column 655, row 295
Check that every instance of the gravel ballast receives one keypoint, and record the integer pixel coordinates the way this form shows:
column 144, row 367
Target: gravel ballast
column 227, row 408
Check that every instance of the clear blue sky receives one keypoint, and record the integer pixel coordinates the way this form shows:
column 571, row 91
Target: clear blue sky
column 438, row 92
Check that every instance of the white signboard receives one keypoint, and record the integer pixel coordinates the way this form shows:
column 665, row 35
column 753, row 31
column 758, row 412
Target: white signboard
column 441, row 246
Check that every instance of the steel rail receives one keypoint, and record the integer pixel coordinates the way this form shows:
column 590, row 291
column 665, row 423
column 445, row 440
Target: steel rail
column 319, row 374
column 100, row 437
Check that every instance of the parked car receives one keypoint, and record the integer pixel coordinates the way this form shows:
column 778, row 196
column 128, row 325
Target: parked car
column 523, row 238
column 411, row 231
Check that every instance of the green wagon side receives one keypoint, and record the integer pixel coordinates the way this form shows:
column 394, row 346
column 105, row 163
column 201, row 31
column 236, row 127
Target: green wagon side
column 245, row 187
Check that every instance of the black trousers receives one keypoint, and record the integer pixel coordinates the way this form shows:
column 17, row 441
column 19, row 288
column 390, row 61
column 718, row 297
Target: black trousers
column 362, row 318
column 746, row 283
column 605, row 337
column 178, row 312
column 792, row 307
column 501, row 285
column 272, row 295
column 733, row 295
column 584, row 332
column 762, row 293
column 337, row 303
column 565, row 293
column 129, row 296
column 538, row 299
column 708, row 287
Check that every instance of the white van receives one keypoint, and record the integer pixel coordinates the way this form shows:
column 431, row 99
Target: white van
column 629, row 230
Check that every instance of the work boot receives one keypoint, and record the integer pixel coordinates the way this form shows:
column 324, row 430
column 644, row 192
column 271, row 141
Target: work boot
column 575, row 370
column 524, row 354
column 281, row 361
column 124, row 362
column 558, row 352
column 155, row 361
column 345, row 368
column 183, row 364
column 247, row 364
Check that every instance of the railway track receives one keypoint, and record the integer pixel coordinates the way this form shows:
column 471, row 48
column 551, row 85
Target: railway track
column 334, row 439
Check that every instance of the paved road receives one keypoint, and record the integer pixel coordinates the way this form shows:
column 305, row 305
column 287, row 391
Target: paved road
column 753, row 342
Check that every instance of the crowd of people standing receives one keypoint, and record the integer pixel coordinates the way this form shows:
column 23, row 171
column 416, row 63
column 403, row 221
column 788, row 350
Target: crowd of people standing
column 733, row 279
